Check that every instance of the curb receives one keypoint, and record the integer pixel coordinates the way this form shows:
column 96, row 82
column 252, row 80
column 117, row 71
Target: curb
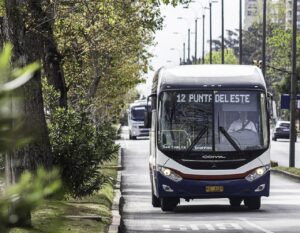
column 286, row 175
column 116, row 218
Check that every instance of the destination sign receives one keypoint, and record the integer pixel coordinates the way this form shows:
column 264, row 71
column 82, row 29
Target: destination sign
column 219, row 98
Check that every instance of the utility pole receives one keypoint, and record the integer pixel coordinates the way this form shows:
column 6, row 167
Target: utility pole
column 196, row 30
column 293, row 97
column 203, row 37
column 241, row 36
column 189, row 46
column 222, row 6
column 263, row 67
column 183, row 53
column 210, row 35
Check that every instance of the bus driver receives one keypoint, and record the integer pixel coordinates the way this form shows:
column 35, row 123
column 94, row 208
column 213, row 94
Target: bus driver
column 242, row 123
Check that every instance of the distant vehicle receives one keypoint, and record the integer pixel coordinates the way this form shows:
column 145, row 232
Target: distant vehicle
column 194, row 153
column 281, row 130
column 136, row 113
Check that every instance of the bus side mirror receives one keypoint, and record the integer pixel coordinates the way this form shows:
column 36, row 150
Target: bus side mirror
column 147, row 118
column 148, row 111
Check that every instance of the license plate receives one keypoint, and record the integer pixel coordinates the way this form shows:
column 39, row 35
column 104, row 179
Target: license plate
column 214, row 189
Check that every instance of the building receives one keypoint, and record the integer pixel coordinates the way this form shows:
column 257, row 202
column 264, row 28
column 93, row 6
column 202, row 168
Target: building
column 289, row 14
column 251, row 8
column 250, row 12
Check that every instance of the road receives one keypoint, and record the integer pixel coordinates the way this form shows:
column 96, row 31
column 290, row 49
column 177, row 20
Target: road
column 280, row 152
column 279, row 213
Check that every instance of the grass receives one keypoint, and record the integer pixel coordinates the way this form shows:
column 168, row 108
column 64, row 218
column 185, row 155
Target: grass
column 292, row 170
column 50, row 217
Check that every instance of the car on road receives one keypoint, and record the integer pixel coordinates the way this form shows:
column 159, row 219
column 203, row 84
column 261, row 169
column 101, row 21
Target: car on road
column 281, row 130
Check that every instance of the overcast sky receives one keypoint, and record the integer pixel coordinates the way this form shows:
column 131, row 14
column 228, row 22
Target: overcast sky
column 170, row 40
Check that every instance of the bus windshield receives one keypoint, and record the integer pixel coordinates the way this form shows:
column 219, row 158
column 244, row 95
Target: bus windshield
column 137, row 113
column 212, row 121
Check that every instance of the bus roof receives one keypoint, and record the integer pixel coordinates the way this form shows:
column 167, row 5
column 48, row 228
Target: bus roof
column 205, row 76
column 138, row 103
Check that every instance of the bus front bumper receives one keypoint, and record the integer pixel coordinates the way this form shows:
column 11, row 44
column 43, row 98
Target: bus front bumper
column 192, row 189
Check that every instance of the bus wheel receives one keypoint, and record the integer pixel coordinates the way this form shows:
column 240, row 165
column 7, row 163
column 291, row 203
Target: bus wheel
column 131, row 137
column 235, row 201
column 155, row 201
column 253, row 203
column 168, row 204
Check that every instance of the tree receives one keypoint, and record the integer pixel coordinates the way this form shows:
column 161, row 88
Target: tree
column 229, row 57
column 27, row 43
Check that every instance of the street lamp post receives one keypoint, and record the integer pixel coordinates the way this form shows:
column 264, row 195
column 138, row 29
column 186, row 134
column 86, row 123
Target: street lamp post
column 293, row 97
column 210, row 35
column 196, row 30
column 241, row 36
column 189, row 46
column 203, row 37
column 176, row 49
column 264, row 38
column 222, row 11
column 183, row 61
column 183, row 53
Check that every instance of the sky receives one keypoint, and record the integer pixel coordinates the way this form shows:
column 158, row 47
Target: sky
column 169, row 41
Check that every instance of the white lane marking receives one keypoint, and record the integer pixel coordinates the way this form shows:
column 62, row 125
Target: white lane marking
column 227, row 226
column 166, row 227
column 209, row 227
column 236, row 226
column 194, row 228
column 182, row 228
column 255, row 226
column 284, row 191
column 221, row 226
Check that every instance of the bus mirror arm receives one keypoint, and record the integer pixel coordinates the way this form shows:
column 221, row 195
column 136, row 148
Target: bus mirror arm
column 147, row 118
column 148, row 112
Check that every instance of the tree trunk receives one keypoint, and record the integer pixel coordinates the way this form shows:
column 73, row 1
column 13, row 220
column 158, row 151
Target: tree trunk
column 94, row 86
column 27, row 43
column 52, row 59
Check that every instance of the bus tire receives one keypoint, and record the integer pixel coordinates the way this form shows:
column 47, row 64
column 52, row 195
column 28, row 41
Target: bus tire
column 155, row 201
column 252, row 203
column 131, row 137
column 168, row 204
column 235, row 202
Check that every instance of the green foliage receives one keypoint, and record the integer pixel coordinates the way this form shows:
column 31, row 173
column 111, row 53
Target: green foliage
column 11, row 127
column 280, row 44
column 31, row 189
column 229, row 57
column 80, row 148
column 1, row 163
column 26, row 195
column 108, row 43
column 291, row 170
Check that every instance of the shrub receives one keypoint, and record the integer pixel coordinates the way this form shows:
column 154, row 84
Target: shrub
column 80, row 147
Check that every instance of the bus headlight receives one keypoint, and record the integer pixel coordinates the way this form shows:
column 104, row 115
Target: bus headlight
column 170, row 174
column 257, row 173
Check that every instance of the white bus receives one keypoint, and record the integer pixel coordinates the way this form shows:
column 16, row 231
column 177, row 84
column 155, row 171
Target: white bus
column 209, row 135
column 136, row 113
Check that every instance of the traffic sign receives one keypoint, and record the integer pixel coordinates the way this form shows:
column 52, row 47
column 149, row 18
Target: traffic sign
column 285, row 101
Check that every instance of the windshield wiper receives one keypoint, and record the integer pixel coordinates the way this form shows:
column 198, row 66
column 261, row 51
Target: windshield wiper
column 229, row 138
column 195, row 141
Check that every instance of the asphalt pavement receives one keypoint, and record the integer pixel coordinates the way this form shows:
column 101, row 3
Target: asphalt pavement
column 279, row 213
column 280, row 152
